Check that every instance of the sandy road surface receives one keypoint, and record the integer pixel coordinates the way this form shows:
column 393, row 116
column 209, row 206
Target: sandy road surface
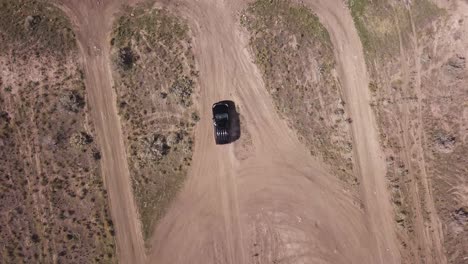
column 370, row 161
column 274, row 204
column 92, row 19
column 263, row 202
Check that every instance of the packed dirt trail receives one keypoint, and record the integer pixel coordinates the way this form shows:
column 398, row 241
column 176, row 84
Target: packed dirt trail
column 93, row 21
column 369, row 162
column 264, row 199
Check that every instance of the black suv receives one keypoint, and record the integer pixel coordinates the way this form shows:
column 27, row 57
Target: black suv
column 222, row 122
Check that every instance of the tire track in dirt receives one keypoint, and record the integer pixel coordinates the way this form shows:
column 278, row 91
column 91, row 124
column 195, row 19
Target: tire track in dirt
column 431, row 236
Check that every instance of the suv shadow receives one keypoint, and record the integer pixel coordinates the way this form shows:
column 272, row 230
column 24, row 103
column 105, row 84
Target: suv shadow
column 235, row 121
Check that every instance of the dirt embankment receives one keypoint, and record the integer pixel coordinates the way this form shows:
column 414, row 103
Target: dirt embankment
column 418, row 70
column 54, row 207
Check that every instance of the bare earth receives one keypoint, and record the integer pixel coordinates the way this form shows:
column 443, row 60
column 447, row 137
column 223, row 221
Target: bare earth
column 263, row 199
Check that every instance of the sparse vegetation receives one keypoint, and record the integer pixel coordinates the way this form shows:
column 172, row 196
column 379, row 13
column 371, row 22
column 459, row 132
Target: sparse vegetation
column 295, row 55
column 26, row 23
column 155, row 81
column 54, row 205
column 416, row 108
column 383, row 24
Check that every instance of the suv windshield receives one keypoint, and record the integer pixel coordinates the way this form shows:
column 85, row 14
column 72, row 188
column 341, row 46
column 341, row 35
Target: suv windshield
column 221, row 116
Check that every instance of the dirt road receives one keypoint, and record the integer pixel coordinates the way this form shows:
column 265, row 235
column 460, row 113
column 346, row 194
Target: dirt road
column 269, row 201
column 263, row 199
column 92, row 20
column 370, row 160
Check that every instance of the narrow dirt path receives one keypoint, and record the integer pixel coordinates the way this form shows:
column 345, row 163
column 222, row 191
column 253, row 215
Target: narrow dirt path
column 433, row 236
column 93, row 24
column 428, row 240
